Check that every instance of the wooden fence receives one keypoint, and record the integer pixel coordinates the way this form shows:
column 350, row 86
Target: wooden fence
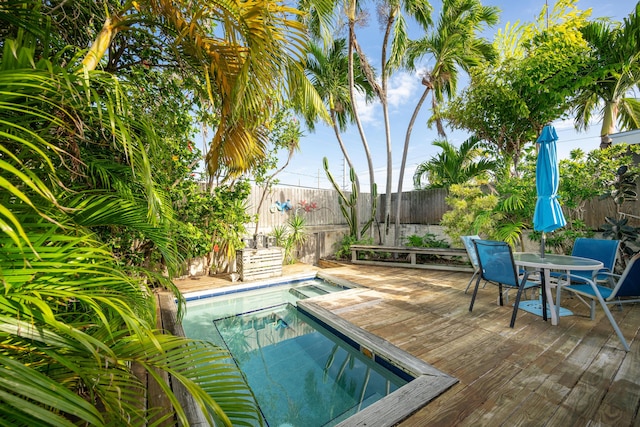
column 416, row 207
column 321, row 208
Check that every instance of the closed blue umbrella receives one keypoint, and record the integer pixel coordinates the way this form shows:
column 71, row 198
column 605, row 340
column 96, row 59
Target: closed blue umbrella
column 548, row 215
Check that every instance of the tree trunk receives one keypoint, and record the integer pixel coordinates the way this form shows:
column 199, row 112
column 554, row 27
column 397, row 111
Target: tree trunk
column 365, row 144
column 608, row 123
column 101, row 43
column 405, row 151
column 387, row 127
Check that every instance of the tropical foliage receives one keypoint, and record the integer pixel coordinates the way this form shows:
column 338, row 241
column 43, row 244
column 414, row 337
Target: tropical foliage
column 76, row 318
column 393, row 18
column 454, row 45
column 508, row 104
column 96, row 205
column 612, row 73
column 453, row 165
column 502, row 208
column 327, row 69
column 471, row 212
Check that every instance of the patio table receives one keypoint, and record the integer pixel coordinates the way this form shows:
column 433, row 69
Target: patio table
column 554, row 262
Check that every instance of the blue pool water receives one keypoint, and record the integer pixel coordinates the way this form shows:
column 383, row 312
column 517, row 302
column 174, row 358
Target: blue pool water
column 300, row 372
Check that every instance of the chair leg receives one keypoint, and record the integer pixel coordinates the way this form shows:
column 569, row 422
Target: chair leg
column 515, row 306
column 475, row 273
column 593, row 309
column 475, row 292
column 610, row 317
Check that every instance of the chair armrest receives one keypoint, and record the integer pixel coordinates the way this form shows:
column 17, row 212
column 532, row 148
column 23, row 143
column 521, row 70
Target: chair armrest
column 568, row 276
column 530, row 275
column 608, row 279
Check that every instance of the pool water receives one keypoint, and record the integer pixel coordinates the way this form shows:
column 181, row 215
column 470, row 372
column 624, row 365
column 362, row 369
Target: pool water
column 300, row 373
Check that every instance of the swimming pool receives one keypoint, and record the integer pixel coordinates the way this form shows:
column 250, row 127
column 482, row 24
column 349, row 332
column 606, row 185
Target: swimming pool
column 305, row 368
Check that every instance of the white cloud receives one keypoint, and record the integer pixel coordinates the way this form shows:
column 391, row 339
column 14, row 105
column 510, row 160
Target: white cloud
column 563, row 124
column 368, row 113
column 402, row 90
column 403, row 87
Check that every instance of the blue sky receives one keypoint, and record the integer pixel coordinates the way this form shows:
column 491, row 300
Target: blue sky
column 306, row 169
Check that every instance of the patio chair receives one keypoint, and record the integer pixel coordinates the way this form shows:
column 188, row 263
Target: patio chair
column 496, row 266
column 626, row 289
column 473, row 257
column 603, row 250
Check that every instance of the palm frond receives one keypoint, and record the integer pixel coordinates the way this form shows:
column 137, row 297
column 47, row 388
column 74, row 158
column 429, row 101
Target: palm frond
column 94, row 209
column 629, row 113
column 24, row 402
column 202, row 364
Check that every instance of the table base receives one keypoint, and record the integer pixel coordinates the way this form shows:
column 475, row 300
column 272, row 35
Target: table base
column 535, row 307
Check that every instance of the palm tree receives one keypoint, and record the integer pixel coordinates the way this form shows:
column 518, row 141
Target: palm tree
column 328, row 70
column 320, row 14
column 453, row 165
column 614, row 73
column 79, row 324
column 453, row 43
column 352, row 8
column 397, row 40
column 252, row 58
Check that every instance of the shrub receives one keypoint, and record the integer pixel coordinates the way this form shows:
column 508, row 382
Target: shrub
column 344, row 246
column 429, row 240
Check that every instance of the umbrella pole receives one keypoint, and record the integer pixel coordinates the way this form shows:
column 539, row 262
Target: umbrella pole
column 542, row 244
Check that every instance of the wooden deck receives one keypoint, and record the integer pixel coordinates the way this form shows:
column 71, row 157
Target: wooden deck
column 573, row 374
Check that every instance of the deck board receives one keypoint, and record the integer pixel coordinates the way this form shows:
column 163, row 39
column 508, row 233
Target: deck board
column 576, row 373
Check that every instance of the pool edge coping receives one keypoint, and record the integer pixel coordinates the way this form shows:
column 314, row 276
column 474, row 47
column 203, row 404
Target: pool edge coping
column 279, row 280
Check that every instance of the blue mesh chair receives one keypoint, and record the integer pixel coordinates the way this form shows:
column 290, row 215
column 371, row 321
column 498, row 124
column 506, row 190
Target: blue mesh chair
column 605, row 251
column 495, row 260
column 626, row 289
column 473, row 257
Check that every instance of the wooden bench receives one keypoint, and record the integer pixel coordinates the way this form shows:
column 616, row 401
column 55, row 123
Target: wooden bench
column 410, row 257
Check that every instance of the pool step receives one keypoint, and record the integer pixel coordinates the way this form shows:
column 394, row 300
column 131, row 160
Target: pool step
column 305, row 292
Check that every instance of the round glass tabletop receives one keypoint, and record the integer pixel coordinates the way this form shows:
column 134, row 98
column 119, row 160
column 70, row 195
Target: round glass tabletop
column 555, row 261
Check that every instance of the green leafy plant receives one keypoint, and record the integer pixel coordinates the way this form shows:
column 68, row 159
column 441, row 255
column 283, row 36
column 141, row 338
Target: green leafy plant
column 472, row 212
column 429, row 240
column 623, row 189
column 79, row 315
column 343, row 250
column 291, row 237
column 280, row 234
column 414, row 240
column 297, row 235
